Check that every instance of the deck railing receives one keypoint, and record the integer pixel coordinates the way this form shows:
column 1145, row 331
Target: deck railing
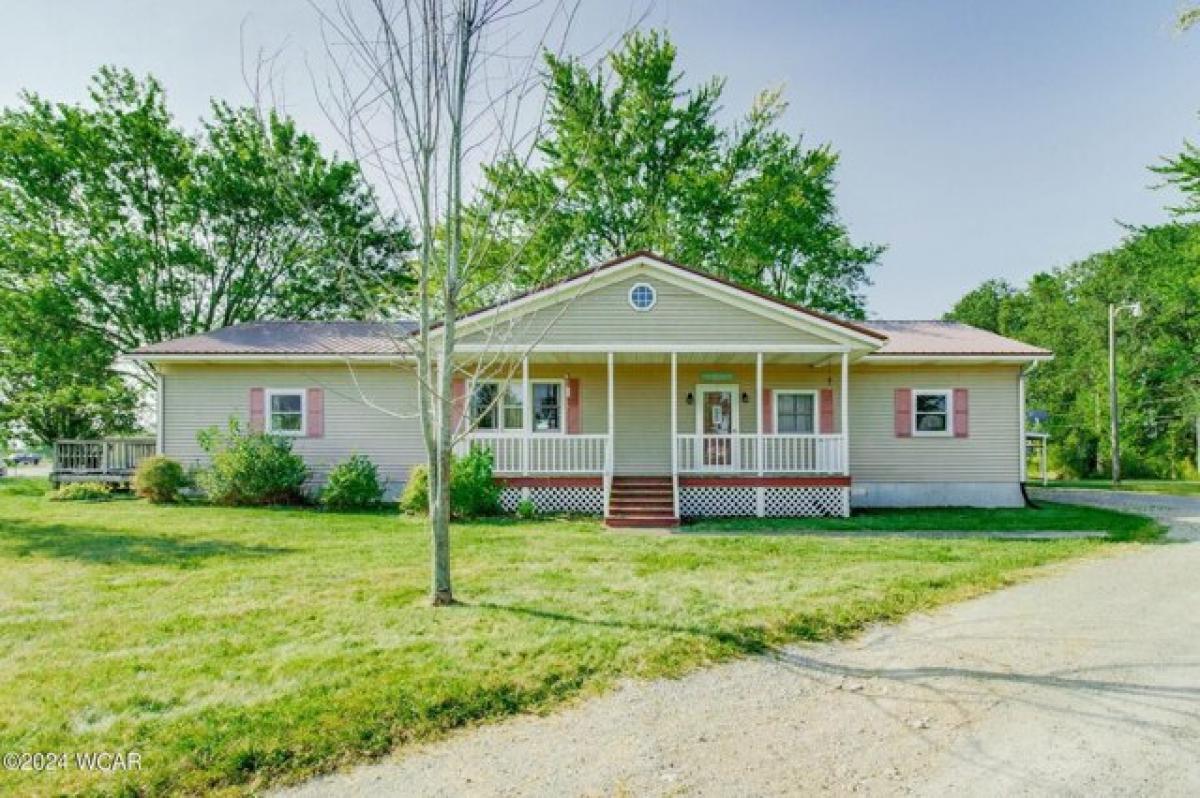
column 739, row 453
column 107, row 456
column 542, row 454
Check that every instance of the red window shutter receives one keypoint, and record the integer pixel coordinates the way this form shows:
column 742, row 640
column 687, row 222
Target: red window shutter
column 315, row 408
column 573, row 406
column 962, row 410
column 768, row 415
column 257, row 409
column 826, row 402
column 903, row 412
column 458, row 402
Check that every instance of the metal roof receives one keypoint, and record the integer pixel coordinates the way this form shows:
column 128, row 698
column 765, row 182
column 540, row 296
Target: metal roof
column 946, row 338
column 291, row 338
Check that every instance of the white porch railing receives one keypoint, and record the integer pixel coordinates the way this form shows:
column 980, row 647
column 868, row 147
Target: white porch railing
column 781, row 454
column 108, row 456
column 543, row 454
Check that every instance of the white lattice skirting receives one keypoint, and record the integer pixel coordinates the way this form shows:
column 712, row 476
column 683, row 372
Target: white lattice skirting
column 799, row 502
column 584, row 500
column 777, row 502
column 696, row 502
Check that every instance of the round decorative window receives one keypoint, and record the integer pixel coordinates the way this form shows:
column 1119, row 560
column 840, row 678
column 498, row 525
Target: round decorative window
column 642, row 296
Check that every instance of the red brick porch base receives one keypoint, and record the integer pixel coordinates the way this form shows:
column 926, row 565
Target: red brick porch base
column 762, row 482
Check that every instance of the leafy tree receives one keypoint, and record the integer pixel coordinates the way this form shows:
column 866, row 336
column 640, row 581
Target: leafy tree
column 985, row 307
column 1189, row 17
column 57, row 379
column 635, row 161
column 137, row 231
column 1158, row 352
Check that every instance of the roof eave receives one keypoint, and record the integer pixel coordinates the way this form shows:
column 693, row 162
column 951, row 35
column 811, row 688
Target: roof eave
column 263, row 357
column 960, row 358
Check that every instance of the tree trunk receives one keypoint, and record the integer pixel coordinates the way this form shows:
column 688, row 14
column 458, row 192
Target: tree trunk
column 439, row 522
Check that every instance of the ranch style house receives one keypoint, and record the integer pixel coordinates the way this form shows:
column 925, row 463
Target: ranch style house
column 640, row 390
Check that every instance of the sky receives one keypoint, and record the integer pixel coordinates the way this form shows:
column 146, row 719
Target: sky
column 977, row 139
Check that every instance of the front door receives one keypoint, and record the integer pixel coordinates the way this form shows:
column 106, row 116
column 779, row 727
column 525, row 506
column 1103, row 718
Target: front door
column 718, row 424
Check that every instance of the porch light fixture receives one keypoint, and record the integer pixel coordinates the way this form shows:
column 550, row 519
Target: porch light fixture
column 691, row 400
column 745, row 398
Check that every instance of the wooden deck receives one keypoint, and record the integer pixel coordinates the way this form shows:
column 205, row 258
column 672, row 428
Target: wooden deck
column 107, row 460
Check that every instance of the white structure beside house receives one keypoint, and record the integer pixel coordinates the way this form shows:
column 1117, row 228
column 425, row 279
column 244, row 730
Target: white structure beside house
column 643, row 390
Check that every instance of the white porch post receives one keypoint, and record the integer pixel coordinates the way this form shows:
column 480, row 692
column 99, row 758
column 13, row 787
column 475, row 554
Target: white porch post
column 845, row 413
column 674, row 398
column 610, row 405
column 845, row 426
column 609, row 454
column 760, row 494
column 526, row 414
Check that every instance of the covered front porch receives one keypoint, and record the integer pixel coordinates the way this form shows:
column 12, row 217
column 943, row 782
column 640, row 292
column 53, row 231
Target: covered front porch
column 706, row 431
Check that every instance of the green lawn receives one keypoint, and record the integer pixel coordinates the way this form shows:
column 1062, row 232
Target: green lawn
column 239, row 648
column 1048, row 516
column 1168, row 486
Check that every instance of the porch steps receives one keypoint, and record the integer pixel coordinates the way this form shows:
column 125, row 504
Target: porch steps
column 642, row 502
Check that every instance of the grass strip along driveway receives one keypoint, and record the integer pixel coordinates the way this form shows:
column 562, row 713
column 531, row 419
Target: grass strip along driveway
column 233, row 649
column 1168, row 487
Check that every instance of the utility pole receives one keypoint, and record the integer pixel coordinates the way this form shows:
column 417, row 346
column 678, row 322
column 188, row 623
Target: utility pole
column 1113, row 419
column 1134, row 309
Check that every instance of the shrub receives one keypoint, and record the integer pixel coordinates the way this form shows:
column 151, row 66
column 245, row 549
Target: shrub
column 353, row 485
column 82, row 492
column 415, row 498
column 159, row 479
column 526, row 510
column 473, row 488
column 251, row 468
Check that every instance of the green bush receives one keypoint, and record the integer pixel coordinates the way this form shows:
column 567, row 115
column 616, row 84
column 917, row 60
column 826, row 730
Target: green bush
column 159, row 479
column 353, row 485
column 415, row 498
column 82, row 492
column 473, row 489
column 251, row 468
column 526, row 510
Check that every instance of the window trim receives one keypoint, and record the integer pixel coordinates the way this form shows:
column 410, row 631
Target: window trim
column 502, row 429
column 653, row 296
column 562, row 406
column 268, row 415
column 948, row 393
column 816, row 397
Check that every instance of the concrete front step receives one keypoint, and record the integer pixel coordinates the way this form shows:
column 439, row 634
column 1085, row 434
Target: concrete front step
column 666, row 508
column 642, row 488
column 642, row 502
column 655, row 522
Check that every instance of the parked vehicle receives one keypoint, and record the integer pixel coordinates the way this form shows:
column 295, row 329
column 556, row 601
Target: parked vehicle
column 24, row 459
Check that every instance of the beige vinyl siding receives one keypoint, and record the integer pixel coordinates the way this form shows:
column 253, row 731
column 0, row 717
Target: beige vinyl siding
column 603, row 315
column 206, row 395
column 990, row 454
column 200, row 396
column 641, row 440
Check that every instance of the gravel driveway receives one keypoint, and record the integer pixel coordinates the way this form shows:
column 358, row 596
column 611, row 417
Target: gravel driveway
column 1180, row 513
column 1086, row 682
